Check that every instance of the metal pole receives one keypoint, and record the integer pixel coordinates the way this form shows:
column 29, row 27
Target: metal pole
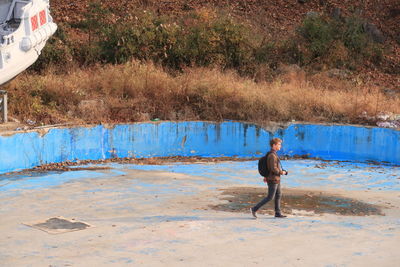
column 4, row 106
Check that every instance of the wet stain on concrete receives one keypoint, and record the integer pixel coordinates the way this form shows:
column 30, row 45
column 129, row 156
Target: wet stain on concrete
column 58, row 223
column 240, row 199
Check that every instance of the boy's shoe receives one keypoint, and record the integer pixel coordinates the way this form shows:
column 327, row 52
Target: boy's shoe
column 253, row 213
column 280, row 216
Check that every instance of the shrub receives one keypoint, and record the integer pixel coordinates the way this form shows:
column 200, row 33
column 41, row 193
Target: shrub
column 144, row 37
column 339, row 55
column 358, row 42
column 196, row 40
column 336, row 43
column 293, row 52
column 353, row 35
column 318, row 33
column 232, row 41
column 95, row 19
column 206, row 37
column 265, row 53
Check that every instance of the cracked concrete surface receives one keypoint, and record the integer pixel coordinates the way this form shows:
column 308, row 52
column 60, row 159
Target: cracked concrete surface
column 149, row 215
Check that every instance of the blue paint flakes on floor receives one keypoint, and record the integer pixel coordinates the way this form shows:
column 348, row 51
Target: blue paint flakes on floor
column 351, row 225
column 149, row 251
column 45, row 180
column 249, row 229
column 123, row 260
column 302, row 173
column 171, row 218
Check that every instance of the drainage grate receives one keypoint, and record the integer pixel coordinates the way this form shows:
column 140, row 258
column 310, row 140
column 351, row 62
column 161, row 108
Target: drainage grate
column 58, row 225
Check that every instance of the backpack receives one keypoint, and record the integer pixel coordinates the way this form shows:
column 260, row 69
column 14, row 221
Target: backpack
column 262, row 166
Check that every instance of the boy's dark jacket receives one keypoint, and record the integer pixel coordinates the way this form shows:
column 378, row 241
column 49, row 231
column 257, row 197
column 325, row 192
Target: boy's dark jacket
column 274, row 168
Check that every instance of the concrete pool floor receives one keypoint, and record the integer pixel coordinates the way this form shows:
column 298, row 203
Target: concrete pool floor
column 165, row 215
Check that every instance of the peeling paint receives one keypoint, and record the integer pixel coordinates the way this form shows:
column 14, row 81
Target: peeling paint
column 208, row 139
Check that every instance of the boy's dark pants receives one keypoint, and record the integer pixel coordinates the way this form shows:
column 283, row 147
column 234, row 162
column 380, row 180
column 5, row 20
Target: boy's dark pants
column 274, row 190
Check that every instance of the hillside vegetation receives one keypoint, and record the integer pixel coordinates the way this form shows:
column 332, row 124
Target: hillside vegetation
column 125, row 61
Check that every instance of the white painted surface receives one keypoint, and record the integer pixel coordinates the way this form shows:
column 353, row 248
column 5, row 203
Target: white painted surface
column 25, row 26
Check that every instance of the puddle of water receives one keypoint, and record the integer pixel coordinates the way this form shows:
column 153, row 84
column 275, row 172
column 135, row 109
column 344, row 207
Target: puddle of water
column 242, row 198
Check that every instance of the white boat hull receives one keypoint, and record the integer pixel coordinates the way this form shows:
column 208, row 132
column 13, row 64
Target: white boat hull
column 17, row 66
column 25, row 27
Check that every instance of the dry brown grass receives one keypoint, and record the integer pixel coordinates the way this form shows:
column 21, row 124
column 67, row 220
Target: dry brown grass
column 142, row 91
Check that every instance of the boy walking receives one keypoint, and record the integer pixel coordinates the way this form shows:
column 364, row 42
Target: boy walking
column 273, row 180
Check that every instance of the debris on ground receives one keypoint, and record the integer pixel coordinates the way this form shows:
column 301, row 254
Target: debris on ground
column 382, row 119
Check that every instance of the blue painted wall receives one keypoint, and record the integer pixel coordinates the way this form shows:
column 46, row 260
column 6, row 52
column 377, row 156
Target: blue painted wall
column 333, row 142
